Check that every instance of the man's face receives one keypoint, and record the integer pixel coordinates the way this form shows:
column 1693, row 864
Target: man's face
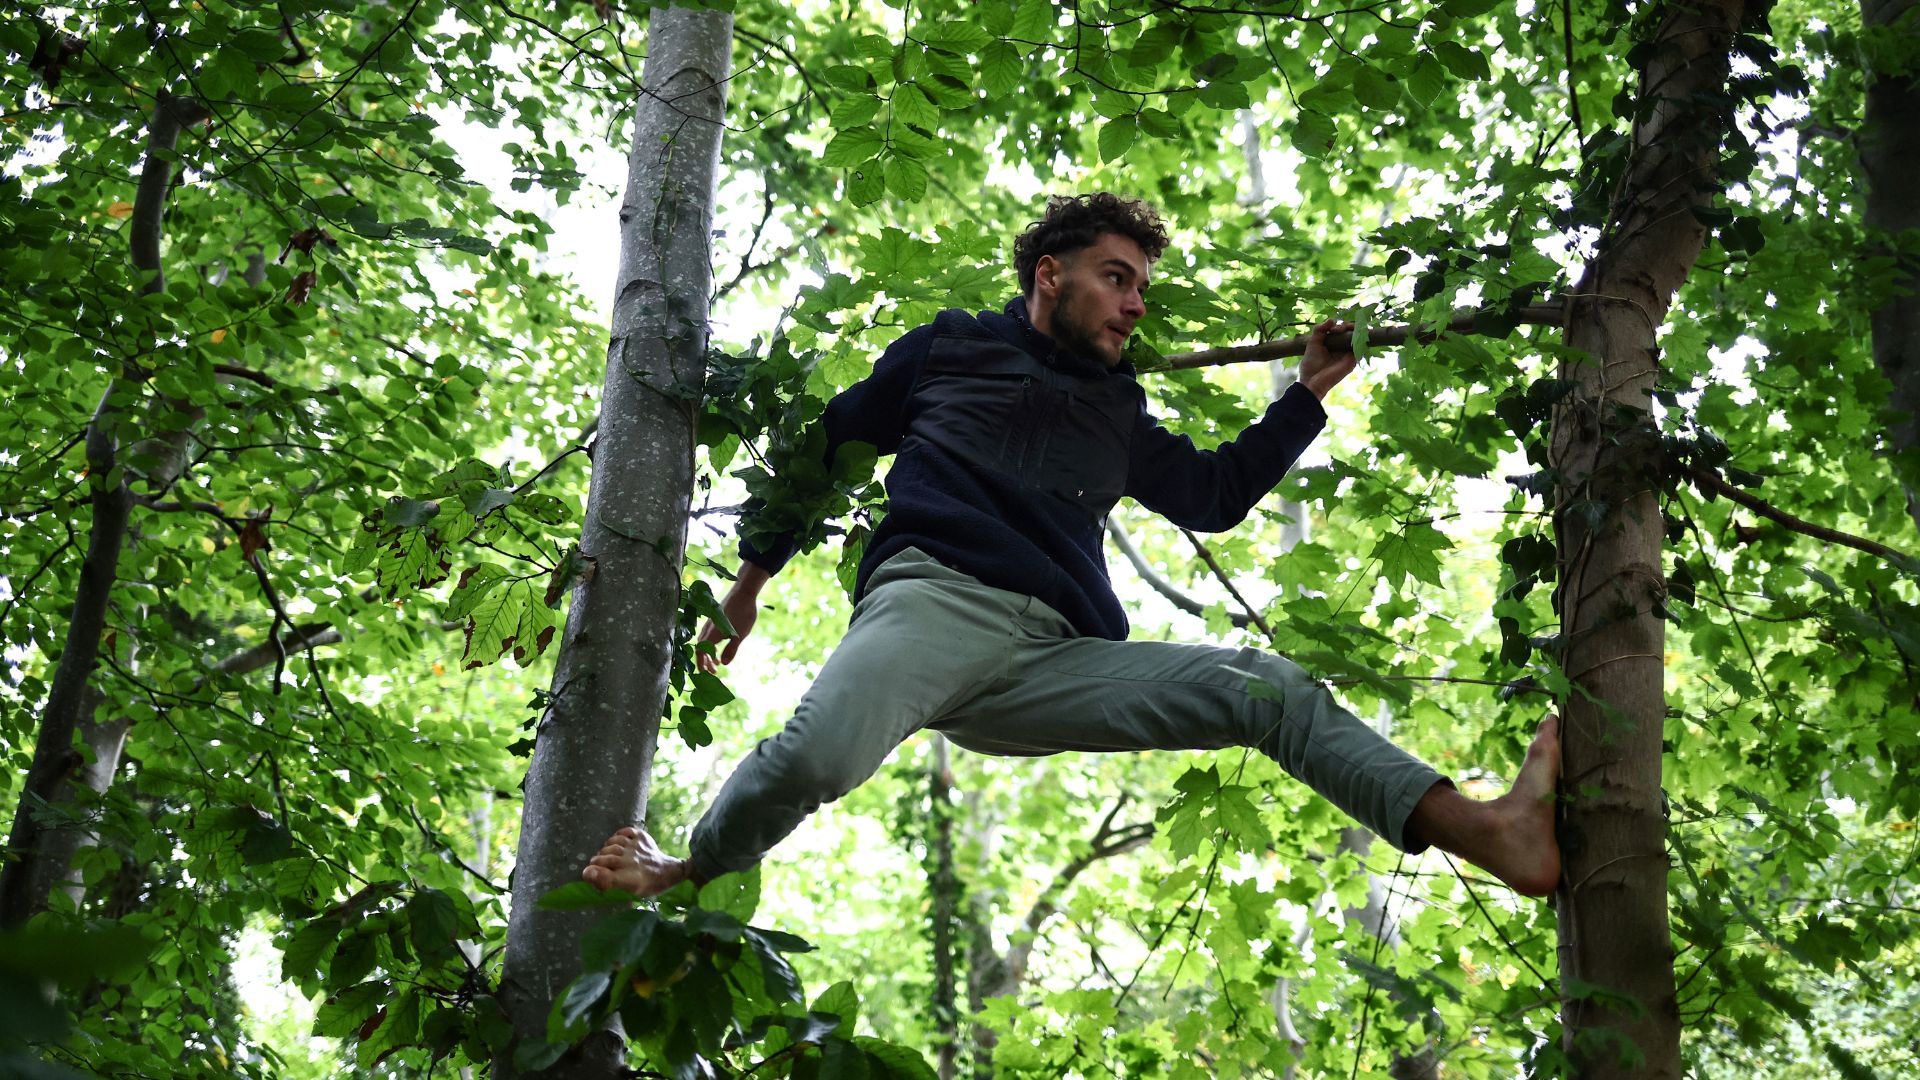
column 1097, row 296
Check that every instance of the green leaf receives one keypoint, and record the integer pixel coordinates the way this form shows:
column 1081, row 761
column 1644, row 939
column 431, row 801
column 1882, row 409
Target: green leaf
column 867, row 183
column 1116, row 136
column 306, row 947
column 1312, row 134
column 617, row 940
column 342, row 1014
column 959, row 36
column 1000, row 68
column 493, row 624
column 1035, row 20
column 580, row 896
column 1156, row 45
column 1226, row 95
column 1242, row 820
column 911, row 105
column 399, row 1027
column 906, row 178
column 851, row 146
column 1412, row 552
column 568, row 1019
column 855, row 110
column 842, row 1001
column 1427, row 79
column 776, row 974
column 900, row 1062
column 1375, row 88
column 433, row 924
column 1465, row 63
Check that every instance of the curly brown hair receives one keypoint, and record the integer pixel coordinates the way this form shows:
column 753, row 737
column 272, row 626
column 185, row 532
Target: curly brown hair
column 1074, row 222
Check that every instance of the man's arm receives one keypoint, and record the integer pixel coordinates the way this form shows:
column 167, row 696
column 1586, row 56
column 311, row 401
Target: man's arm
column 1212, row 490
column 741, row 606
column 873, row 411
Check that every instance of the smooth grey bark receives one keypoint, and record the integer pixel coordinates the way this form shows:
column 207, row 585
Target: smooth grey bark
column 594, row 749
column 1889, row 147
column 1612, row 901
column 32, row 867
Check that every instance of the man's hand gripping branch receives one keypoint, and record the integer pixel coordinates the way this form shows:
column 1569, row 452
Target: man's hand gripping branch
column 1320, row 369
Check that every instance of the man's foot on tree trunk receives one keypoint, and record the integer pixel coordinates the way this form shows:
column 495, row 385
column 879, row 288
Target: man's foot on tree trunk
column 633, row 863
column 1526, row 853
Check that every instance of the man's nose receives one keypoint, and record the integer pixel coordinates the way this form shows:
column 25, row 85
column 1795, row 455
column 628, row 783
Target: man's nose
column 1134, row 305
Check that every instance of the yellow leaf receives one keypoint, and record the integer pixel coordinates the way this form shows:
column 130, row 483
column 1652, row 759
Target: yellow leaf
column 439, row 668
column 120, row 210
column 220, row 335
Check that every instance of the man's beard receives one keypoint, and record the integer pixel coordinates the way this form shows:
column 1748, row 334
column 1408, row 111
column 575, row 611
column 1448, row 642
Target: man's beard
column 1069, row 332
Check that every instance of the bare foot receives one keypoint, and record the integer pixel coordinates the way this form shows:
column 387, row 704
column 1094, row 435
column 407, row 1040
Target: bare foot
column 1526, row 854
column 1510, row 837
column 633, row 862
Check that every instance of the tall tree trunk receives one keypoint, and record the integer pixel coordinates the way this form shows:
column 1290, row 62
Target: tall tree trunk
column 1616, row 956
column 594, row 753
column 944, row 886
column 1889, row 143
column 32, row 869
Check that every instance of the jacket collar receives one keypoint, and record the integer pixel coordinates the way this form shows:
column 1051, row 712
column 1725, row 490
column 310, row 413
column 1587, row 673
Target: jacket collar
column 1044, row 349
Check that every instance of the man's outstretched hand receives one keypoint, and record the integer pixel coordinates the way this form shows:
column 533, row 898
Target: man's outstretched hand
column 1320, row 369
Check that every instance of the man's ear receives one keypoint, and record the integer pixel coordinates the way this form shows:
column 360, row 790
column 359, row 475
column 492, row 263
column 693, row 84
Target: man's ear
column 1046, row 276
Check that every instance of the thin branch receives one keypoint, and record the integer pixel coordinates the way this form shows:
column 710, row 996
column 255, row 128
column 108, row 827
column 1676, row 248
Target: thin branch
column 1159, row 583
column 1106, row 843
column 1552, row 313
column 1710, row 483
column 1573, row 99
column 1206, row 554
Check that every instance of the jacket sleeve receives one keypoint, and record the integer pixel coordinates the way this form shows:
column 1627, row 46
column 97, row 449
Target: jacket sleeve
column 872, row 411
column 1212, row 490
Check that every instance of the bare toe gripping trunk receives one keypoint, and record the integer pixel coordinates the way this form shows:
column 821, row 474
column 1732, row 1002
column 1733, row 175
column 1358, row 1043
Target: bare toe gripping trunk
column 1001, row 673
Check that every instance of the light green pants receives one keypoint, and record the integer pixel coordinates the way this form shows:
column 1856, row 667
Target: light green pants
column 1000, row 672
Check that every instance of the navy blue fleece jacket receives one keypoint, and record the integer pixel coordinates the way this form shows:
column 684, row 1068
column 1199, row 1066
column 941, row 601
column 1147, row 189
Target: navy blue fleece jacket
column 1012, row 536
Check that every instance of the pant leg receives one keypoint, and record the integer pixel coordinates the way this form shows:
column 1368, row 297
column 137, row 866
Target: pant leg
column 1076, row 693
column 923, row 639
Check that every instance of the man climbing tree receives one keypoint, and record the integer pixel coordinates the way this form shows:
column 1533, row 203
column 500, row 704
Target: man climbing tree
column 983, row 608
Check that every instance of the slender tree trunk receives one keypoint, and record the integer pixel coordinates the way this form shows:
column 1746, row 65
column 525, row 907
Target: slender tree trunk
column 1616, row 956
column 32, row 868
column 944, row 887
column 594, row 752
column 1889, row 143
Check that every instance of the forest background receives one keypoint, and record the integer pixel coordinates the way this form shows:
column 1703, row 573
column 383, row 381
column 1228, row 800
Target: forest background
column 301, row 414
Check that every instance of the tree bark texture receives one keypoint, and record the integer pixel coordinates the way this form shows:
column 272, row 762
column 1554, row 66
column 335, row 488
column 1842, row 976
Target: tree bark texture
column 38, row 849
column 1618, row 1012
column 594, row 749
column 1889, row 145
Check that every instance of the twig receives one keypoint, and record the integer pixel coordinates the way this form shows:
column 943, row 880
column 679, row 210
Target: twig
column 1711, row 484
column 1206, row 554
column 1160, row 584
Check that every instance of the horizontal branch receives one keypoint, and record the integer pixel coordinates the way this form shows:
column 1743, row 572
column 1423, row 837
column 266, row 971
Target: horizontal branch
column 1712, row 484
column 1544, row 314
